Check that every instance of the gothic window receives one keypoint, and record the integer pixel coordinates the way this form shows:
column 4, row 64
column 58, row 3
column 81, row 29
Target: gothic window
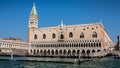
column 35, row 36
column 44, row 36
column 61, row 36
column 70, row 34
column 81, row 35
column 99, row 44
column 31, row 22
column 94, row 35
column 53, row 35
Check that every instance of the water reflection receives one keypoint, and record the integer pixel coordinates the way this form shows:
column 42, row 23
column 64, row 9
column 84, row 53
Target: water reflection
column 96, row 63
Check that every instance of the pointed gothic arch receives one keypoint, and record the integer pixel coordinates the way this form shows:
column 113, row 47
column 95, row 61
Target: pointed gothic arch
column 52, row 52
column 94, row 35
column 93, row 51
column 41, row 52
column 70, row 35
column 44, row 36
column 56, row 52
column 78, row 52
column 48, row 52
column 69, row 52
column 35, row 36
column 45, row 52
column 73, row 52
column 99, row 44
column 65, row 52
column 60, row 52
column 37, row 52
column 53, row 35
column 81, row 35
column 88, row 52
column 30, row 51
column 83, row 52
column 61, row 36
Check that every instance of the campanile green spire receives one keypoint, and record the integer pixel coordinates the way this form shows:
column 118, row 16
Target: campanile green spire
column 33, row 12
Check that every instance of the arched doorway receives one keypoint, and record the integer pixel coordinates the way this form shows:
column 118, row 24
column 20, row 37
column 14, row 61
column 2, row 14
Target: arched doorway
column 69, row 52
column 45, row 52
column 78, row 52
column 41, row 52
column 93, row 51
column 88, row 52
column 56, row 52
column 73, row 52
column 65, row 52
column 30, row 51
column 52, row 52
column 34, row 51
column 37, row 52
column 48, row 52
column 60, row 52
column 83, row 52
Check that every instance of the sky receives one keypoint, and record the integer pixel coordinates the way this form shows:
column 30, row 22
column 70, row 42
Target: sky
column 14, row 15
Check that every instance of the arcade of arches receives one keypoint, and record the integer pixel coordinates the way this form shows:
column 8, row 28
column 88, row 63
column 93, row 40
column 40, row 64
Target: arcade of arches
column 64, row 52
column 66, row 49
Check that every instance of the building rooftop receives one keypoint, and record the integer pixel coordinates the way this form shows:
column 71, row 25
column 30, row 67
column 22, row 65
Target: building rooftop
column 13, row 39
column 74, row 25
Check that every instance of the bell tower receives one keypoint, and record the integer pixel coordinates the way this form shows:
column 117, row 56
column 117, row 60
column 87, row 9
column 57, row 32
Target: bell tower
column 33, row 21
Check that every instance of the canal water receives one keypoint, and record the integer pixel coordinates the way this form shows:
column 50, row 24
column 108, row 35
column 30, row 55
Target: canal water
column 96, row 63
